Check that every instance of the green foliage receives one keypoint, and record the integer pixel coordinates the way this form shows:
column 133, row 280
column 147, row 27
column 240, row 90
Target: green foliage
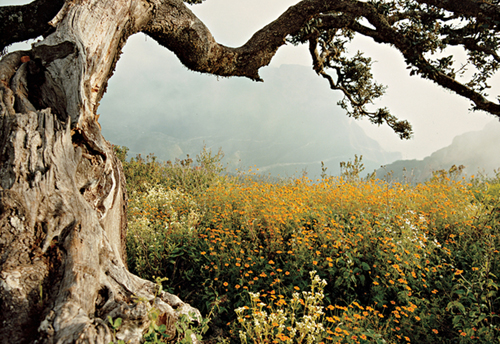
column 144, row 173
column 427, row 33
column 156, row 333
column 115, row 325
column 187, row 327
column 162, row 225
column 141, row 173
column 487, row 190
column 402, row 263
column 352, row 74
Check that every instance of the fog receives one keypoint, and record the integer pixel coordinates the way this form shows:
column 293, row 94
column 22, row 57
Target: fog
column 154, row 104
column 437, row 115
column 287, row 124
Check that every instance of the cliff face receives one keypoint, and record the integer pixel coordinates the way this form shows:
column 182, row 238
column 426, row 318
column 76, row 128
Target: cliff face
column 285, row 125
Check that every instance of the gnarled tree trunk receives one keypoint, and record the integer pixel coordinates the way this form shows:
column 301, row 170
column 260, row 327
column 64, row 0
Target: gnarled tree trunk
column 62, row 195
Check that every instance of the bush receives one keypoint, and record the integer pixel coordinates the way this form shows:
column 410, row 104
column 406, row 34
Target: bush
column 144, row 173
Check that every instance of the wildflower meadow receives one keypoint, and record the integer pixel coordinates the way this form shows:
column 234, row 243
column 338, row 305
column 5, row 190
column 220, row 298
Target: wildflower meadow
column 335, row 260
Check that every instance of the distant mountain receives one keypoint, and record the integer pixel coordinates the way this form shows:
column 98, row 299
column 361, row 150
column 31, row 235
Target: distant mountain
column 285, row 125
column 478, row 151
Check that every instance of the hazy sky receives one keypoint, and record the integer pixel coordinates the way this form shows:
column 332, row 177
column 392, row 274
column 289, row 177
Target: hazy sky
column 437, row 115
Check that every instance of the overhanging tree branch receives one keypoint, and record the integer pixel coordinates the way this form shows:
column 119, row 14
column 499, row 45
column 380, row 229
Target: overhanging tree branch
column 178, row 29
column 413, row 54
column 472, row 45
column 481, row 9
column 20, row 23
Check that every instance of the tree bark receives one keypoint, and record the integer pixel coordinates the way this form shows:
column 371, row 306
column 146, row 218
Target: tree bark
column 27, row 21
column 62, row 189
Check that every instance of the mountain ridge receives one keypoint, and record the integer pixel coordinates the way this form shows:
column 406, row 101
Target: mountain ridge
column 274, row 125
column 462, row 151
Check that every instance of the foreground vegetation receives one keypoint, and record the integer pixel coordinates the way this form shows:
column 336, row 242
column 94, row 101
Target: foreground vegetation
column 337, row 260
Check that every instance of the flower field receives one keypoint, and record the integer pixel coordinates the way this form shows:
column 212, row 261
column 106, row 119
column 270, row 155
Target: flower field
column 336, row 260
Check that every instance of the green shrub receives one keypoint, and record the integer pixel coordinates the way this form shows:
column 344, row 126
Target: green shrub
column 144, row 173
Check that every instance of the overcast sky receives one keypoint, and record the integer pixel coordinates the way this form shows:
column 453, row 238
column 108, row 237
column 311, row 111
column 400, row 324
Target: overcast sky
column 437, row 115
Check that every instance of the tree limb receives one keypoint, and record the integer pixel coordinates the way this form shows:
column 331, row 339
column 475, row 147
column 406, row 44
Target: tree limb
column 178, row 29
column 472, row 45
column 384, row 33
column 480, row 9
column 20, row 23
column 174, row 26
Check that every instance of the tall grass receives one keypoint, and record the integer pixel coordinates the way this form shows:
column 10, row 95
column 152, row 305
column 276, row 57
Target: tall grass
column 400, row 263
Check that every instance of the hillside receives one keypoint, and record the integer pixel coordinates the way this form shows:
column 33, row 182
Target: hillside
column 478, row 151
column 285, row 125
